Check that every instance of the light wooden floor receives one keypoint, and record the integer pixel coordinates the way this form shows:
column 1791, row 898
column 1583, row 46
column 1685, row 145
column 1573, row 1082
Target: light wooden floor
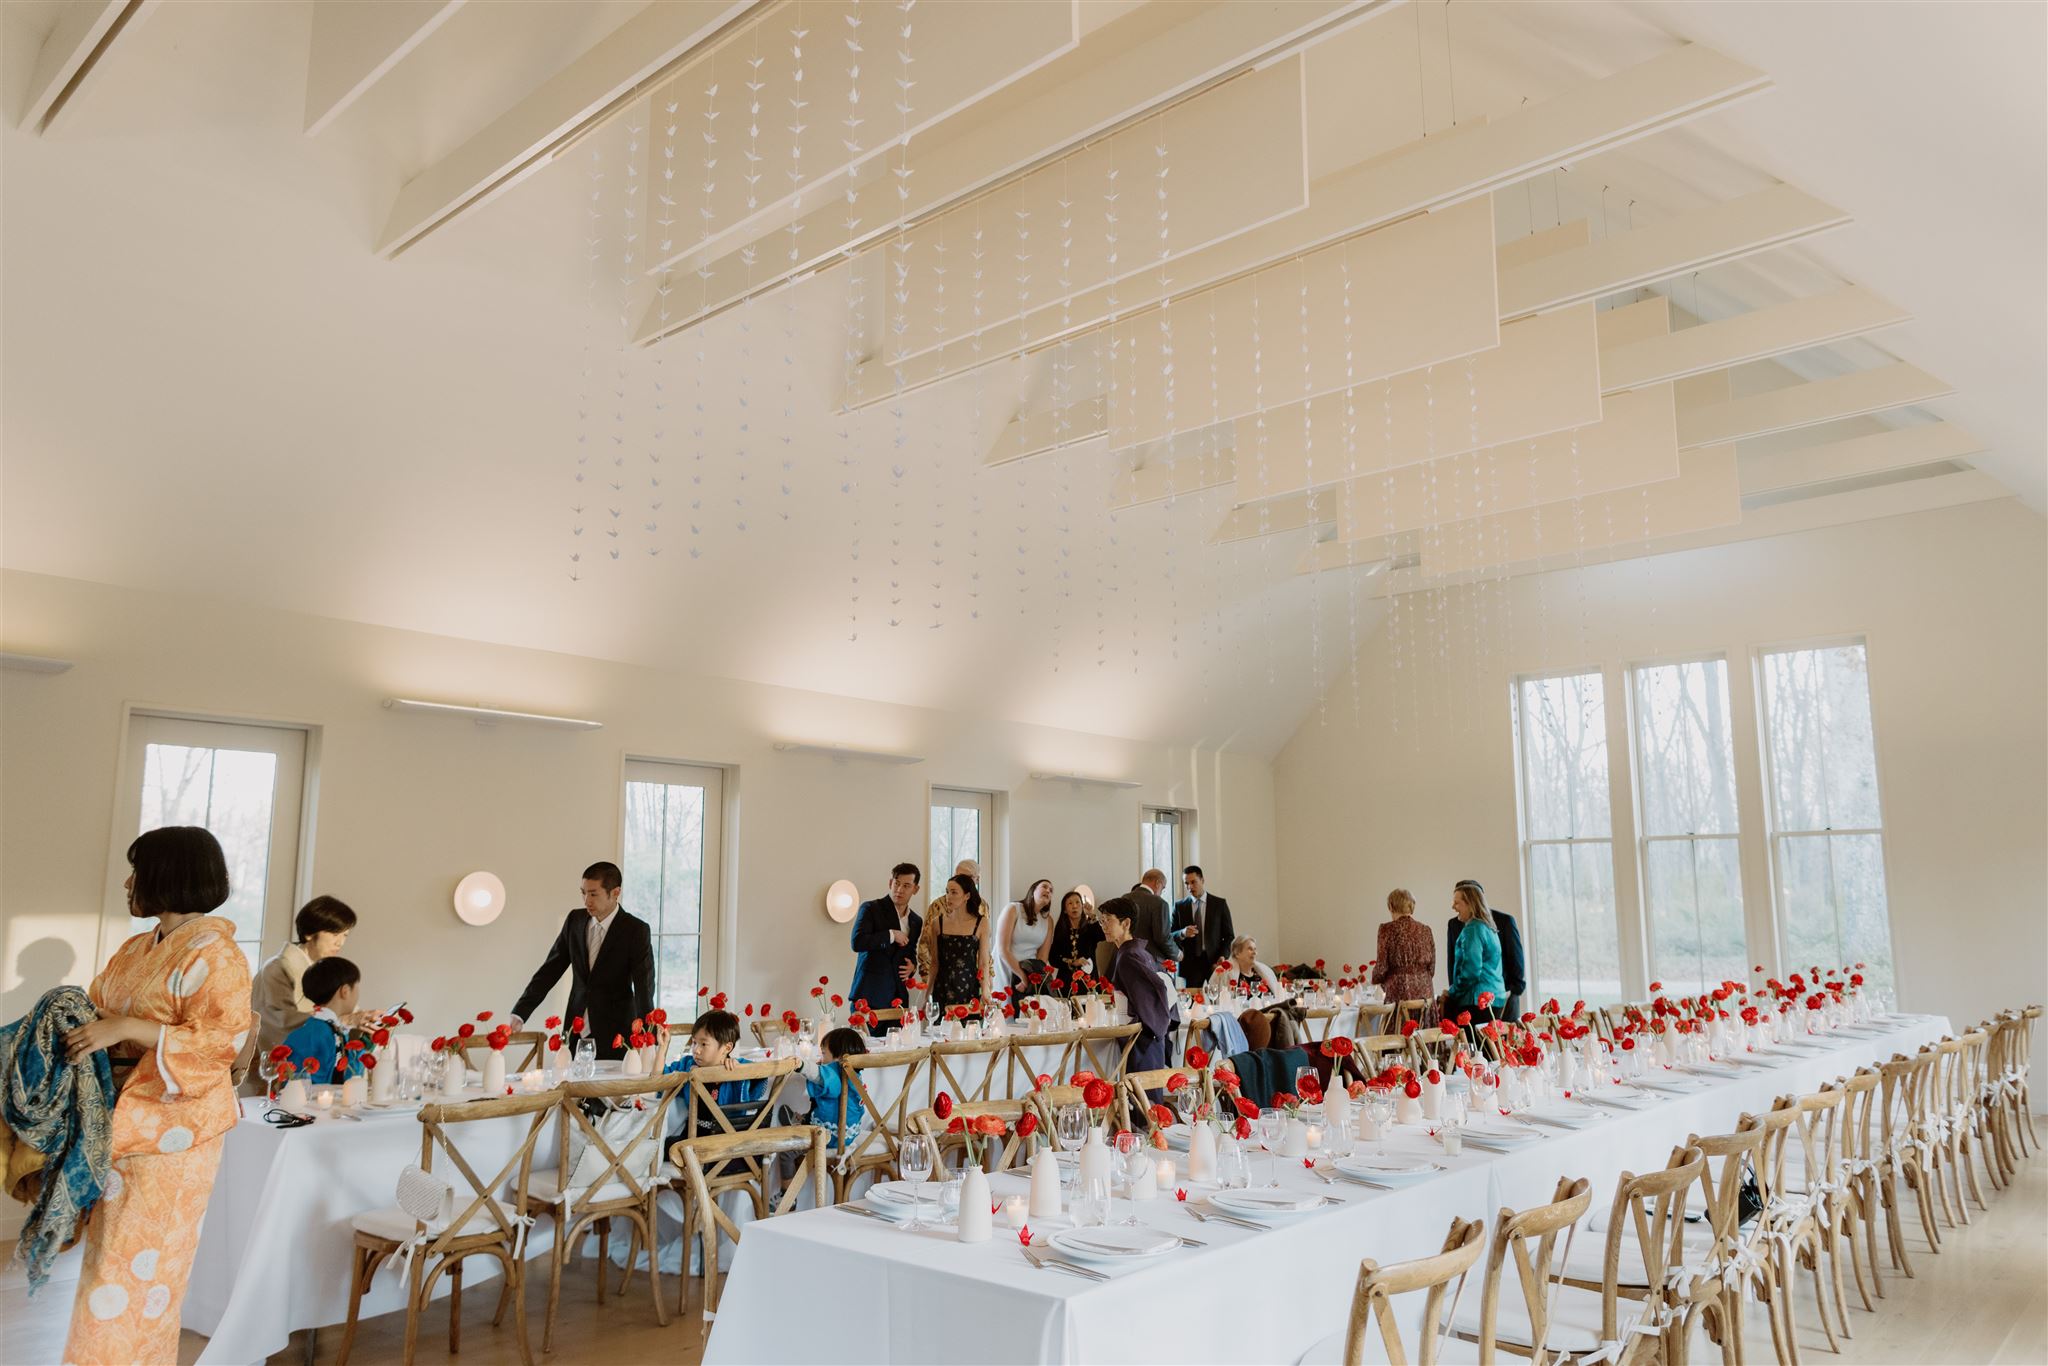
column 1983, row 1299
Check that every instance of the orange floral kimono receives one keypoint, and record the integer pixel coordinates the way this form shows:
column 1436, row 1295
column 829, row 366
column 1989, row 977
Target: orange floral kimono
column 168, row 1124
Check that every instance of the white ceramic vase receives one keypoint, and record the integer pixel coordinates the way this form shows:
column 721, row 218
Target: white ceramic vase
column 384, row 1077
column 494, row 1071
column 1095, row 1159
column 1432, row 1097
column 1045, row 1184
column 975, row 1215
column 1294, row 1139
column 355, row 1091
column 294, row 1096
column 1202, row 1152
column 456, row 1079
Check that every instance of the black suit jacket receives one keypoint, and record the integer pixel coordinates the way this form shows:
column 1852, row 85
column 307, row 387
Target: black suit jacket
column 1198, row 956
column 877, row 958
column 1149, row 924
column 1514, row 968
column 609, row 994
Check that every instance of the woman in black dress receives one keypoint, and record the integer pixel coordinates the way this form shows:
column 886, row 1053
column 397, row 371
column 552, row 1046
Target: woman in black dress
column 1075, row 933
column 953, row 951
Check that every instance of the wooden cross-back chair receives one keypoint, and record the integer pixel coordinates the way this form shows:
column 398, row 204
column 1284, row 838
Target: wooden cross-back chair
column 1106, row 1049
column 766, row 1032
column 951, row 1063
column 1813, row 1172
column 1315, row 1023
column 1736, row 1266
column 1903, row 1122
column 1970, row 1124
column 873, row 1147
column 633, row 1175
column 1865, row 1167
column 751, row 1150
column 1134, row 1093
column 1023, row 1075
column 522, row 1054
column 1651, row 1207
column 2022, row 1058
column 1195, row 1034
column 1531, row 1239
column 1792, row 1235
column 2004, row 1077
column 479, row 1223
column 1012, row 1152
column 1377, row 1052
column 1404, row 1011
column 1377, row 1286
column 702, row 1114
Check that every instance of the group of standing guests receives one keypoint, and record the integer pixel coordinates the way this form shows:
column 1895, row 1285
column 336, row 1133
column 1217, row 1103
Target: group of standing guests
column 1483, row 952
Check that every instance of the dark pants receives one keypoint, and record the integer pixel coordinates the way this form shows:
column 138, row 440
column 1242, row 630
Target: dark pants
column 1148, row 1053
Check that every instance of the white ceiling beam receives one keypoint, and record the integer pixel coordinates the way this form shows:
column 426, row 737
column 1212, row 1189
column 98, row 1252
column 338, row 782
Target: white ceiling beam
column 86, row 32
column 1808, row 404
column 1437, row 172
column 576, row 99
column 1053, row 429
column 1902, row 448
column 356, row 43
column 1757, row 335
column 1275, row 518
column 1256, row 124
column 1127, row 71
column 1191, row 462
column 1629, row 260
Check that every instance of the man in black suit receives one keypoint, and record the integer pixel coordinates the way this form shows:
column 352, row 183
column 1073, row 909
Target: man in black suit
column 885, row 934
column 1150, row 923
column 610, row 958
column 1201, row 928
column 1514, row 968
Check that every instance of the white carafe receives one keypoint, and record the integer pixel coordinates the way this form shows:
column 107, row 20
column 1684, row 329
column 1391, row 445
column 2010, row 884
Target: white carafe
column 1336, row 1106
column 1407, row 1108
column 1045, row 1184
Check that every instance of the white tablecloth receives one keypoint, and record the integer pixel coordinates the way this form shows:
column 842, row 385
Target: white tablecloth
column 274, row 1254
column 871, row 1292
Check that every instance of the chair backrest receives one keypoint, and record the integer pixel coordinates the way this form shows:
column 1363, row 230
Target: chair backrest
column 875, row 1146
column 1531, row 1238
column 949, row 1066
column 1013, row 1151
column 1404, row 1011
column 1861, row 1094
column 1818, row 1130
column 1064, row 1064
column 523, row 1052
column 1106, row 1049
column 1727, row 1157
column 1372, row 1297
column 1651, row 1207
column 766, row 1032
column 703, row 1106
column 724, row 1153
column 1778, row 1124
column 1137, row 1090
column 630, row 1161
column 1383, row 1050
column 439, row 1125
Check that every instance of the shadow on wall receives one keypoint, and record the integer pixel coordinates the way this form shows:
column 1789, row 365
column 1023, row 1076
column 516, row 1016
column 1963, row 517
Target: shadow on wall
column 43, row 965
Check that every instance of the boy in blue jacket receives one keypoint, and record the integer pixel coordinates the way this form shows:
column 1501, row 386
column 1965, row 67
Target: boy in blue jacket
column 332, row 985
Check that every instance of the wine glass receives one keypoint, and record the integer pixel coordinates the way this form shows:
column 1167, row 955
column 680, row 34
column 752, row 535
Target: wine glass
column 1379, row 1104
column 916, row 1160
column 1307, row 1082
column 1232, row 1166
column 268, row 1071
column 1070, row 1127
column 1272, row 1127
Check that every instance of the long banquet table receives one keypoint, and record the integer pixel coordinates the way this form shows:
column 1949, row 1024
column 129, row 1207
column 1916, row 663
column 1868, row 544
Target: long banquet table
column 873, row 1292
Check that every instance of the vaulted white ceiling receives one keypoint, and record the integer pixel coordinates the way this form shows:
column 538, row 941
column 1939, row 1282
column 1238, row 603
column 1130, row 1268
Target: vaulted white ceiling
column 214, row 384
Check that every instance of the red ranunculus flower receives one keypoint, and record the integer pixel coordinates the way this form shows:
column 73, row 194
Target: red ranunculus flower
column 405, row 1015
column 281, row 1052
column 956, row 1125
column 464, row 1031
column 1339, row 1047
column 1449, row 1027
column 1161, row 1115
column 1097, row 1094
column 436, row 1046
column 1407, row 1028
column 1485, row 999
column 1246, row 1109
column 618, row 1041
column 1228, row 1079
column 381, row 1037
column 1081, row 1079
column 1027, row 1124
column 1244, row 1127
column 1464, row 1018
column 1177, row 1082
column 942, row 1105
column 484, row 1015
column 552, row 1022
column 1413, row 1089
column 1041, row 1081
column 1283, row 1099
column 1198, row 1058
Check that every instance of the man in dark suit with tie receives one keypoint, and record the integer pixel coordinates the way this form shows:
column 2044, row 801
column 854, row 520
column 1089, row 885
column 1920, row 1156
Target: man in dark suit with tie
column 1201, row 927
column 1514, row 968
column 1150, row 923
column 609, row 955
column 885, row 933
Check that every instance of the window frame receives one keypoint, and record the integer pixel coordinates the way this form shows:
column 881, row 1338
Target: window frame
column 1646, row 907
column 983, row 804
column 1776, row 835
column 1182, row 822
column 713, row 928
column 1531, row 926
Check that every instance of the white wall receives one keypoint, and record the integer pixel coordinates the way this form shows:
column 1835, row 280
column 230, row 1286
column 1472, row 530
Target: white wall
column 408, row 804
column 1951, row 604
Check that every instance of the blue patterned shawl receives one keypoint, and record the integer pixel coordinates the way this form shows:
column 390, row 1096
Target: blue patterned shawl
column 62, row 1111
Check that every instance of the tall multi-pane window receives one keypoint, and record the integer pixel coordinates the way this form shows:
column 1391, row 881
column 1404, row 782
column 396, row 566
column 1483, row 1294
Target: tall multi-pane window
column 671, row 869
column 963, row 827
column 243, row 783
column 1827, row 831
column 1691, row 849
column 1567, row 837
column 1159, row 842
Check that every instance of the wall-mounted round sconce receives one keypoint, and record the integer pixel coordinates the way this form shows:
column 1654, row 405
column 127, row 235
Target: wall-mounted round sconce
column 1087, row 893
column 842, row 900
column 479, row 898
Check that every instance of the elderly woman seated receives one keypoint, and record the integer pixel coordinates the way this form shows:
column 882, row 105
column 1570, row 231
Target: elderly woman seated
column 1270, row 1021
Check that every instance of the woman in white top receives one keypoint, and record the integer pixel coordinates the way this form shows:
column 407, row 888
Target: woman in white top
column 1027, row 926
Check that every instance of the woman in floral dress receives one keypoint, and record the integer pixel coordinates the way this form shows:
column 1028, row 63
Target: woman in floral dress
column 1406, row 964
column 174, row 1000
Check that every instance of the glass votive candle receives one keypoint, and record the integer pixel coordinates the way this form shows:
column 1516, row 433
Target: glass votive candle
column 325, row 1100
column 1017, row 1210
column 1167, row 1173
column 1315, row 1136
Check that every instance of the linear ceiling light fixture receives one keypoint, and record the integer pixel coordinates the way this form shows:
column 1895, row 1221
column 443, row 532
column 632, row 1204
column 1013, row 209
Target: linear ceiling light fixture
column 490, row 716
column 840, row 753
column 32, row 664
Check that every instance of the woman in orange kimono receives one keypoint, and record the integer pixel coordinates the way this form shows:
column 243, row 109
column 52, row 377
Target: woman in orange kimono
column 175, row 1000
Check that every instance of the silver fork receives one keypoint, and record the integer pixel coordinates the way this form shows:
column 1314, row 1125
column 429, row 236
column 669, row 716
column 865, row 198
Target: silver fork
column 1047, row 1263
column 1224, row 1219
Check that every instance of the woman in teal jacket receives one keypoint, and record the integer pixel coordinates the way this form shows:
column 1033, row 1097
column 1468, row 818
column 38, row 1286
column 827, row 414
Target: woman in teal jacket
column 1475, row 959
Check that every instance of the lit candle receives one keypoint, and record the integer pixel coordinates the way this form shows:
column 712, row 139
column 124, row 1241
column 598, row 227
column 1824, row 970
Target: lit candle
column 1315, row 1135
column 1017, row 1210
column 325, row 1100
column 1168, row 1173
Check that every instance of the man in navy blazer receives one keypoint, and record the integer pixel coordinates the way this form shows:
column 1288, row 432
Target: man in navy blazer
column 885, row 935
column 1201, row 929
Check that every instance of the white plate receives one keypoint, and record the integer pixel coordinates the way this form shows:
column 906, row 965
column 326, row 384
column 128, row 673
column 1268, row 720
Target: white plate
column 1266, row 1204
column 894, row 1198
column 1179, row 1136
column 1490, row 1131
column 1113, row 1244
column 1384, row 1168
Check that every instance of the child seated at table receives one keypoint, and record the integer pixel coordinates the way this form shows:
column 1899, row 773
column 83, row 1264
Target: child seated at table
column 332, row 985
column 825, row 1080
column 712, row 1040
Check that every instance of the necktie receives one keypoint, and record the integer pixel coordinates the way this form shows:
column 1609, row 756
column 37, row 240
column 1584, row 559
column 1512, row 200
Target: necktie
column 596, row 938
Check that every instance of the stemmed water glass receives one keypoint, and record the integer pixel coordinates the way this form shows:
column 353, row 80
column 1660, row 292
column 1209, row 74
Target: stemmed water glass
column 1379, row 1105
column 1070, row 1127
column 268, row 1071
column 916, row 1159
column 1272, row 1127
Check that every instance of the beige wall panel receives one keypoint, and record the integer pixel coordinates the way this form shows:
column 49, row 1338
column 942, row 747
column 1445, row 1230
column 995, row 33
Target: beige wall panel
column 1052, row 430
column 1206, row 462
column 1757, row 335
column 1272, row 518
column 1894, row 450
column 1634, row 443
column 1420, row 292
column 1808, row 404
column 1544, row 377
column 1443, row 169
column 1254, row 125
column 1725, row 232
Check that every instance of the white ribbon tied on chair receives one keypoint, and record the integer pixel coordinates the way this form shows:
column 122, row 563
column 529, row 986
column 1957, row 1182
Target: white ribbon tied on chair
column 1654, row 1317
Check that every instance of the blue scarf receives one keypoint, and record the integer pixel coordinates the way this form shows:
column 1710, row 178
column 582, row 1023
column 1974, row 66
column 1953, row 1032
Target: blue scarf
column 63, row 1111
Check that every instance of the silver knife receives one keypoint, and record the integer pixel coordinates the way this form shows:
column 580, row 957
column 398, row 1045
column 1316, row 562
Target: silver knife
column 1226, row 1219
column 864, row 1212
column 1044, row 1262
